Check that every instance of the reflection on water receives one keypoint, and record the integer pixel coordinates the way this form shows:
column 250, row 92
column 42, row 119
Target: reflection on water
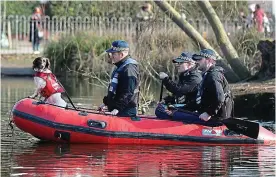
column 24, row 155
column 104, row 160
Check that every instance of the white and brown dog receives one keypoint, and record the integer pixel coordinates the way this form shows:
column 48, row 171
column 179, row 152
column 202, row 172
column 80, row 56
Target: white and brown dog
column 47, row 85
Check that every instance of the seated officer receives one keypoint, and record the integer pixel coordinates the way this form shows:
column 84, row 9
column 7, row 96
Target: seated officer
column 184, row 91
column 214, row 96
column 122, row 96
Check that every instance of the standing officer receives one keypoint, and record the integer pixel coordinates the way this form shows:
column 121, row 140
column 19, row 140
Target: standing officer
column 122, row 96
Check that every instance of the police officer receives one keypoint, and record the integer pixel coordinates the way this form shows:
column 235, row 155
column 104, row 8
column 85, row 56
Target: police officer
column 123, row 89
column 184, row 91
column 214, row 96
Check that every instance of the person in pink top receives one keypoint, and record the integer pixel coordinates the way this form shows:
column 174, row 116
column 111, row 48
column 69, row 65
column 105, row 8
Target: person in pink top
column 259, row 16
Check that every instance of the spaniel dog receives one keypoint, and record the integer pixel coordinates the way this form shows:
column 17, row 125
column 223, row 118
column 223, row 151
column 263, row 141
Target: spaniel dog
column 47, row 85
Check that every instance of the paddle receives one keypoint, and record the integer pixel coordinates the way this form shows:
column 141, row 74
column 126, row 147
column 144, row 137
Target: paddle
column 247, row 128
column 67, row 95
column 161, row 91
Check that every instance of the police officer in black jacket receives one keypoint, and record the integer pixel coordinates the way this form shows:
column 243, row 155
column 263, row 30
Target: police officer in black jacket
column 214, row 96
column 184, row 91
column 122, row 97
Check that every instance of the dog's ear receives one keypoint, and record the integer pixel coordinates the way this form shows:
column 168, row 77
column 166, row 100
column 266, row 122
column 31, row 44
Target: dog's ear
column 47, row 63
column 36, row 62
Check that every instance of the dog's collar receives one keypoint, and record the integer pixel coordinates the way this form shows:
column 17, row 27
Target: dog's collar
column 42, row 70
column 38, row 70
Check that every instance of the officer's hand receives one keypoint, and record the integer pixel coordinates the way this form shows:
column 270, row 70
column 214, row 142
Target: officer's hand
column 101, row 107
column 161, row 102
column 171, row 107
column 169, row 112
column 163, row 75
column 205, row 116
column 114, row 112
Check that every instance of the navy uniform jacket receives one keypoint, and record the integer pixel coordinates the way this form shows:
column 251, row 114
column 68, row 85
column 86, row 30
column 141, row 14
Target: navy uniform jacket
column 127, row 89
column 216, row 98
column 187, row 85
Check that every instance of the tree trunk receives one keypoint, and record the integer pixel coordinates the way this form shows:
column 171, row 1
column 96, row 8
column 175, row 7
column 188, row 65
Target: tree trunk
column 226, row 46
column 193, row 33
column 183, row 24
column 267, row 70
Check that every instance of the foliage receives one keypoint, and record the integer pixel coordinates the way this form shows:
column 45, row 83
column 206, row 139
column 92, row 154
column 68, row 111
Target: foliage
column 78, row 52
column 225, row 9
column 245, row 43
column 156, row 50
column 94, row 8
column 84, row 52
column 19, row 7
column 230, row 9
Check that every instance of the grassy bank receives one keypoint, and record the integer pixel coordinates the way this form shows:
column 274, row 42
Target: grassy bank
column 83, row 53
column 17, row 61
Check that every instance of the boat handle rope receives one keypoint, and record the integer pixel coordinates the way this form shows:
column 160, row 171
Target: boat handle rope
column 10, row 124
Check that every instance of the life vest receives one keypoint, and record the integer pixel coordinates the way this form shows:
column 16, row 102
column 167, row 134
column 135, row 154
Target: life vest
column 114, row 77
column 52, row 85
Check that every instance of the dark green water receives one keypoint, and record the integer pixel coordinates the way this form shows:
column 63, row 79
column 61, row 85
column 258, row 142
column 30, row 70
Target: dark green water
column 24, row 155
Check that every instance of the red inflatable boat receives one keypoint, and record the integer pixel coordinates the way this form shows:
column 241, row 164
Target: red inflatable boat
column 48, row 122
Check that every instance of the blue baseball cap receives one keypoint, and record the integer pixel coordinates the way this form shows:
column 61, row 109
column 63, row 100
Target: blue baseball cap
column 184, row 57
column 118, row 46
column 205, row 53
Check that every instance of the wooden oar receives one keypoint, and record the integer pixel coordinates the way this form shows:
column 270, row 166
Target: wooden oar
column 247, row 128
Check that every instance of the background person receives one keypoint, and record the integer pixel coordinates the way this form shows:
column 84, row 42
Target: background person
column 259, row 18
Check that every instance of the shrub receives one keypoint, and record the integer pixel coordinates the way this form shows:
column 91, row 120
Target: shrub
column 245, row 43
column 83, row 53
column 79, row 53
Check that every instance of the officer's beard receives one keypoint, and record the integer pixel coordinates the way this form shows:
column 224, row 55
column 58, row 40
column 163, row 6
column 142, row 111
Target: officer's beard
column 203, row 67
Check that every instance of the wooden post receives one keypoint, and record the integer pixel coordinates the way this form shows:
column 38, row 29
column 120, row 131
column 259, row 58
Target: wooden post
column 9, row 34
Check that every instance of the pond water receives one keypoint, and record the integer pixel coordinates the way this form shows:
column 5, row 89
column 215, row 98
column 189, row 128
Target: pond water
column 24, row 155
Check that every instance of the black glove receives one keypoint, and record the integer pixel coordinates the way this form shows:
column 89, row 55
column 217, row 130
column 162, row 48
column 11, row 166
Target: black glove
column 169, row 100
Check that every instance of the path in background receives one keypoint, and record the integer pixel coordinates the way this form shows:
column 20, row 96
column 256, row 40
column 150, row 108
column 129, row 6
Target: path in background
column 21, row 47
column 18, row 62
